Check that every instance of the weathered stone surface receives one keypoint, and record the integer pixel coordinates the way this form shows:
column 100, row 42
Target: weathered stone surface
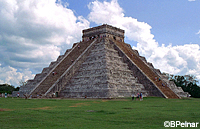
column 105, row 71
column 102, row 68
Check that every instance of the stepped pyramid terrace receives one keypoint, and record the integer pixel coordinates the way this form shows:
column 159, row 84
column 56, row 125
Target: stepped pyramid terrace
column 102, row 65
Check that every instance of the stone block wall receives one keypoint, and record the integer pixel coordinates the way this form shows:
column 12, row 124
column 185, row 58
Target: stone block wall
column 103, row 75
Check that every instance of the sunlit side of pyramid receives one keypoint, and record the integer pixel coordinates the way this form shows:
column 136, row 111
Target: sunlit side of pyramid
column 101, row 66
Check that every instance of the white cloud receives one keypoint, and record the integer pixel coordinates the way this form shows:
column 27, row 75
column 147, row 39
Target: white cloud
column 191, row 0
column 182, row 60
column 198, row 32
column 10, row 75
column 33, row 33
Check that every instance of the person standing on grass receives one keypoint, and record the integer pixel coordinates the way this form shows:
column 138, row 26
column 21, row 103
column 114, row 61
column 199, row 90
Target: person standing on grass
column 141, row 97
column 138, row 96
column 18, row 95
column 5, row 95
column 132, row 96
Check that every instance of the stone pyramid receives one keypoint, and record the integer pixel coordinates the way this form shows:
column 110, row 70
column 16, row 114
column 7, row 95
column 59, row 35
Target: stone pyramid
column 100, row 66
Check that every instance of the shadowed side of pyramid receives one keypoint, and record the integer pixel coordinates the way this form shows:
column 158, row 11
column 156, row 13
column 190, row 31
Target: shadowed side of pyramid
column 150, row 79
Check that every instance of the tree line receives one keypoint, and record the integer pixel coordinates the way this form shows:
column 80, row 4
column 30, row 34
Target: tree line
column 6, row 88
column 188, row 83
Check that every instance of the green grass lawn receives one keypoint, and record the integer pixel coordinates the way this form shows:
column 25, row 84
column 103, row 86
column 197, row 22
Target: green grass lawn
column 87, row 113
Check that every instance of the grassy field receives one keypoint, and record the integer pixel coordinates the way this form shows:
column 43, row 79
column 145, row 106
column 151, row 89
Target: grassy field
column 96, row 114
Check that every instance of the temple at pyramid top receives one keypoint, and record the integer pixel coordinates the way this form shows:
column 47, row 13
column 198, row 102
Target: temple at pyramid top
column 103, row 31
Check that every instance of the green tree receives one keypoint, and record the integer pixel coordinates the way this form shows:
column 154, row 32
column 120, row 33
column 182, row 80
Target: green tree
column 188, row 83
column 6, row 88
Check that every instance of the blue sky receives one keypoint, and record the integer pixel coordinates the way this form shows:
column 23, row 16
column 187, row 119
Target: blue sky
column 34, row 33
column 172, row 21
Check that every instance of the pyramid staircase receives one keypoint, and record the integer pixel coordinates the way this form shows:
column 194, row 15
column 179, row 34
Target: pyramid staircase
column 54, row 74
column 31, row 84
column 151, row 75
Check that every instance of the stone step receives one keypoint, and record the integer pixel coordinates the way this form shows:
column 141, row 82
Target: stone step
column 66, row 52
column 60, row 58
column 87, row 87
column 100, row 62
column 39, row 77
column 88, row 80
column 122, row 81
column 104, row 50
column 110, row 72
column 52, row 64
column 101, row 77
column 99, row 58
column 46, row 70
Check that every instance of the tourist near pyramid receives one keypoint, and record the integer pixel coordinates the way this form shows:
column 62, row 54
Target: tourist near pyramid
column 100, row 66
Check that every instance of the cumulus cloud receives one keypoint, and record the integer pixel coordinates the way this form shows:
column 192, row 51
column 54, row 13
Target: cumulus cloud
column 182, row 60
column 33, row 33
column 10, row 75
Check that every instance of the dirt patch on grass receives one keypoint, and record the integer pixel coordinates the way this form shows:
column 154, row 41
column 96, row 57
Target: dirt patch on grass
column 95, row 102
column 103, row 100
column 3, row 109
column 41, row 108
column 80, row 104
